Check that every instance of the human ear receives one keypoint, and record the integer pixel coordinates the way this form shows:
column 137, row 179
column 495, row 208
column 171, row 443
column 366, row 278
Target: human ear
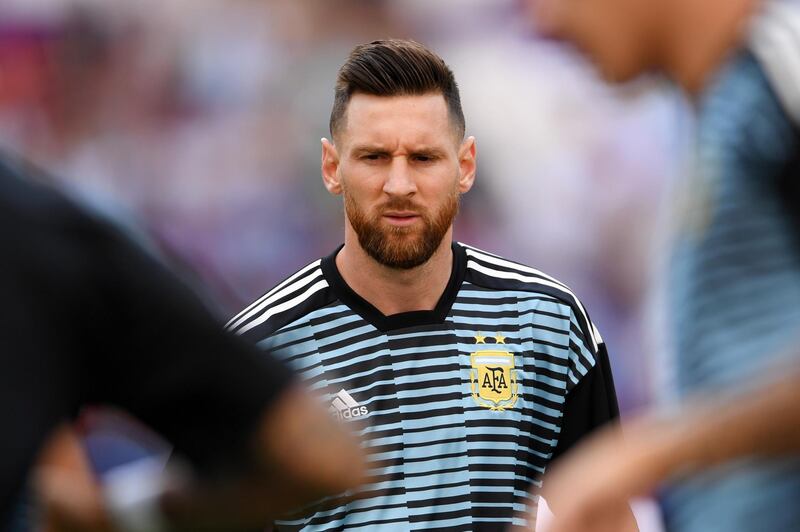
column 467, row 164
column 330, row 167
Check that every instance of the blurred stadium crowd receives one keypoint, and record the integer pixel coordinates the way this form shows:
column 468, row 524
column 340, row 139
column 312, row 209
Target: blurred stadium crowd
column 196, row 123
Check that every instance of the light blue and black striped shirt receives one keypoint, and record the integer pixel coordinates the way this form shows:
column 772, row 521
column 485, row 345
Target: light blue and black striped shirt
column 461, row 408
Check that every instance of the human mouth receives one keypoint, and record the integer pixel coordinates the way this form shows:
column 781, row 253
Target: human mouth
column 401, row 218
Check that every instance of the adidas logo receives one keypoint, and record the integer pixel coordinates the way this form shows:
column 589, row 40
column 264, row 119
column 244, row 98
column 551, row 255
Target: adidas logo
column 344, row 406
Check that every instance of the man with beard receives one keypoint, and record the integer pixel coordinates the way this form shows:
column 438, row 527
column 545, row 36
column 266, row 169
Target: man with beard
column 730, row 449
column 465, row 372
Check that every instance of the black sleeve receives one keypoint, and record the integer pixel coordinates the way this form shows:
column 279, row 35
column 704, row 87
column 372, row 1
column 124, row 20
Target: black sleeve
column 162, row 356
column 589, row 405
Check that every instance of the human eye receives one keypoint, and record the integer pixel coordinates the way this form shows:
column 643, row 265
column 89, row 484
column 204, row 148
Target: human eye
column 424, row 157
column 372, row 156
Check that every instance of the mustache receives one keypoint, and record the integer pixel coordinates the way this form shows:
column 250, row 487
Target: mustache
column 401, row 204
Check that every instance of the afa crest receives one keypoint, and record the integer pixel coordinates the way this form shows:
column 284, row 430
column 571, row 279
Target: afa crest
column 493, row 378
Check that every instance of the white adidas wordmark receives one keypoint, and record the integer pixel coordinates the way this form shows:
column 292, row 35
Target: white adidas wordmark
column 344, row 406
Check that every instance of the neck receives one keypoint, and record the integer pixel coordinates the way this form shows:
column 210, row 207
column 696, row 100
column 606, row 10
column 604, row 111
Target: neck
column 702, row 33
column 390, row 290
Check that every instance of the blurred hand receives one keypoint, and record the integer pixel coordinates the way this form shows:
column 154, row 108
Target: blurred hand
column 69, row 496
column 301, row 454
column 589, row 489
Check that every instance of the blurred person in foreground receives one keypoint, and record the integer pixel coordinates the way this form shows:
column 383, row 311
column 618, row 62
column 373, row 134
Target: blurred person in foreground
column 465, row 372
column 731, row 447
column 90, row 318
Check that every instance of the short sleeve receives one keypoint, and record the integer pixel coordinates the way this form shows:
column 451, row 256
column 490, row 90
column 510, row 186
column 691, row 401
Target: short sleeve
column 591, row 401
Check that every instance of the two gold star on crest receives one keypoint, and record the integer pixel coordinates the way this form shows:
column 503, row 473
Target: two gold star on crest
column 498, row 338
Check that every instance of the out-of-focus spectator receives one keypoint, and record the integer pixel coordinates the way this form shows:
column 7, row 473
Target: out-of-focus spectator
column 92, row 319
column 728, row 448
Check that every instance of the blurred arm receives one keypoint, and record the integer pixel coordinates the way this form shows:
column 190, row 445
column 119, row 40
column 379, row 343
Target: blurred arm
column 304, row 455
column 258, row 443
column 591, row 485
column 300, row 454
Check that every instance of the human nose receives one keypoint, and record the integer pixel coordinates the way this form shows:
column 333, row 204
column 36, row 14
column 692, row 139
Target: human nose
column 399, row 180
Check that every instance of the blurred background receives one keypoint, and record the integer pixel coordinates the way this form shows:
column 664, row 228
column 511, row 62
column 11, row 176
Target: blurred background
column 196, row 125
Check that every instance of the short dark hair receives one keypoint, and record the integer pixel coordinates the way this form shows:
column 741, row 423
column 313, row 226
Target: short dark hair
column 395, row 67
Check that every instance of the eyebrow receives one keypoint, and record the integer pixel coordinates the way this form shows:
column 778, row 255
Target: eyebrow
column 367, row 148
column 429, row 152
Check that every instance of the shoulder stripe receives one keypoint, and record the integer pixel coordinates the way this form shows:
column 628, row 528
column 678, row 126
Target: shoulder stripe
column 277, row 309
column 596, row 334
column 546, row 282
column 499, row 261
column 275, row 294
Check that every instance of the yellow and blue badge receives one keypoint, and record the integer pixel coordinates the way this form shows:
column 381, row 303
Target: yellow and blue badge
column 493, row 378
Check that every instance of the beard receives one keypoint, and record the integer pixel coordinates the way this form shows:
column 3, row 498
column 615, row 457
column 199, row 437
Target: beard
column 401, row 248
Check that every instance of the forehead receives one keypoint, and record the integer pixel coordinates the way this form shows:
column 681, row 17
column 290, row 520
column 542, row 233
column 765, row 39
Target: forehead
column 417, row 119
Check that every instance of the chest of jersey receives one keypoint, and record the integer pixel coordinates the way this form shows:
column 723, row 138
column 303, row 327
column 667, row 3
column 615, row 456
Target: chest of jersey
column 459, row 417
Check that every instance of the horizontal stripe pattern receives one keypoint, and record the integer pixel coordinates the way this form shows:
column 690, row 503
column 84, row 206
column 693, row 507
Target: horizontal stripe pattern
column 439, row 460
